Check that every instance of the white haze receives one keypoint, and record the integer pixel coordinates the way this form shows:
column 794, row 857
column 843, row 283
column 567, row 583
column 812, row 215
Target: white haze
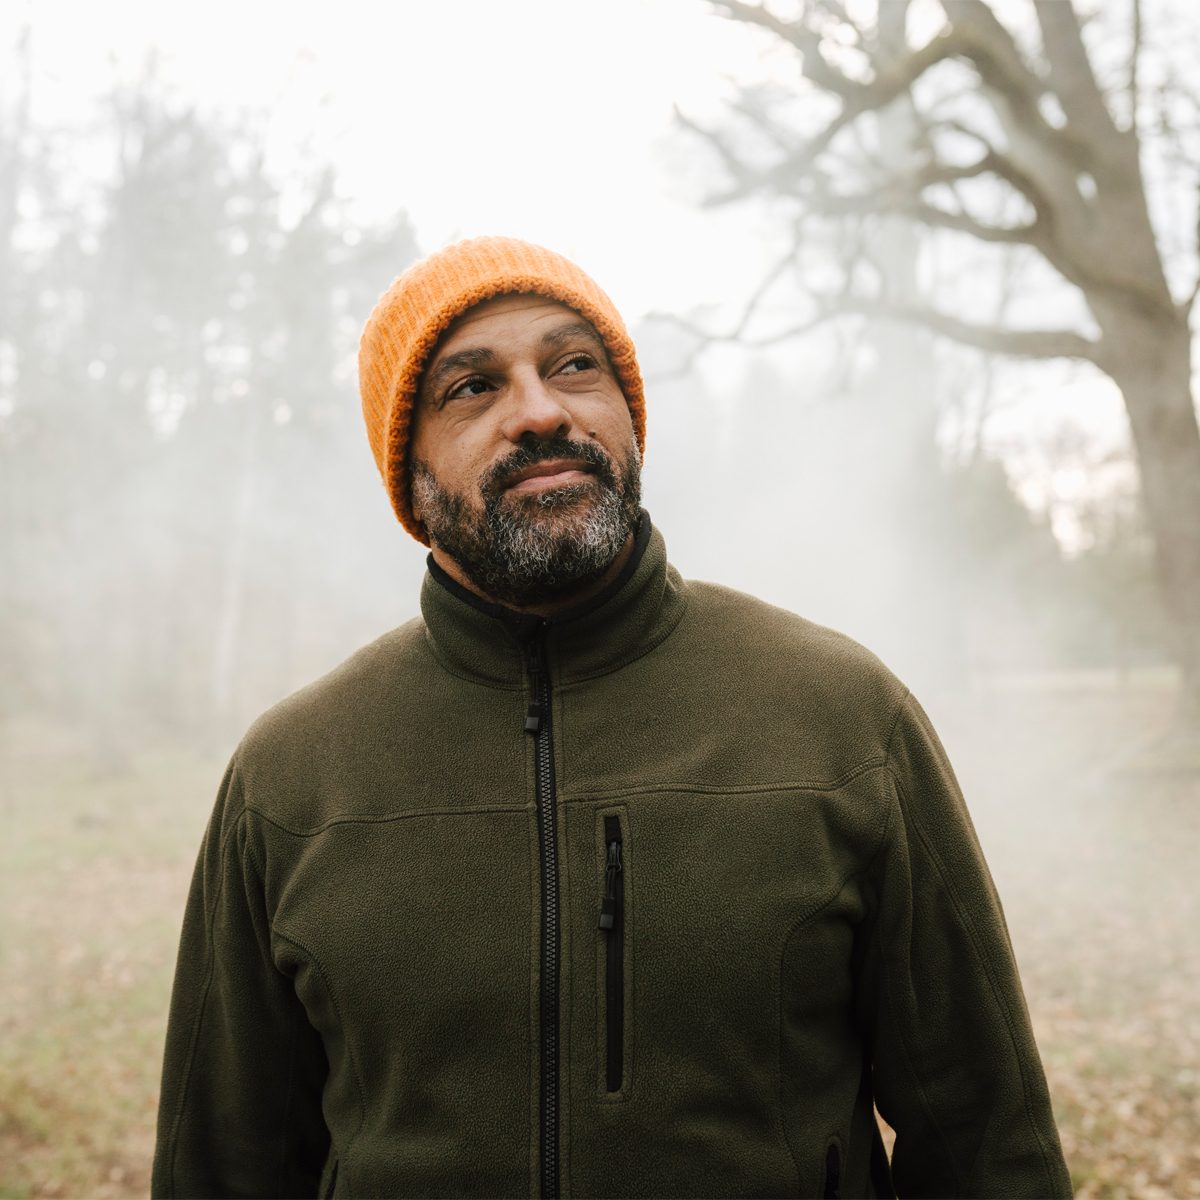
column 174, row 599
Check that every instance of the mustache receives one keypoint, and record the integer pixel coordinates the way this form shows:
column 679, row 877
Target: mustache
column 530, row 453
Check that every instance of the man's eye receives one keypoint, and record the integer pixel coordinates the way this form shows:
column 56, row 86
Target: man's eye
column 577, row 363
column 475, row 386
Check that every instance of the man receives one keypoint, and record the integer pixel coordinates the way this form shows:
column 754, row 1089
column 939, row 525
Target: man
column 590, row 881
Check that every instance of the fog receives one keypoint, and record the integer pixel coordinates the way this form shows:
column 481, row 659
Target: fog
column 192, row 527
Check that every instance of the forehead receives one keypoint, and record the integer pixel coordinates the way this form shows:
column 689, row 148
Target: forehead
column 504, row 318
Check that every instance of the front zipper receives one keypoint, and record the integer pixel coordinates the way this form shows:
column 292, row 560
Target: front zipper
column 612, row 921
column 537, row 723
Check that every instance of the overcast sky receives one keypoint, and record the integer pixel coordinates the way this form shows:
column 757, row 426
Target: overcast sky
column 546, row 119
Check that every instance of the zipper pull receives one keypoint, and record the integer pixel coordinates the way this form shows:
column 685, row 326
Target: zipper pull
column 533, row 715
column 608, row 905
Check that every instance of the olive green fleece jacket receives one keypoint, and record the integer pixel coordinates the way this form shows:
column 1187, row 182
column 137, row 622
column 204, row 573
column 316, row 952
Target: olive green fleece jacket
column 395, row 976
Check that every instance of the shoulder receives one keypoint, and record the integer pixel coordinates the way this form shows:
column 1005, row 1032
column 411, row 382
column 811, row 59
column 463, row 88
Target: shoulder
column 751, row 625
column 366, row 691
column 794, row 662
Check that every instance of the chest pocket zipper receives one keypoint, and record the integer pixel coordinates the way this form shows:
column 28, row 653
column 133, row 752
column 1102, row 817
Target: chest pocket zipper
column 612, row 922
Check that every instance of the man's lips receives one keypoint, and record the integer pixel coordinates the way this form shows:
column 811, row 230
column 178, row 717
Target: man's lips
column 547, row 474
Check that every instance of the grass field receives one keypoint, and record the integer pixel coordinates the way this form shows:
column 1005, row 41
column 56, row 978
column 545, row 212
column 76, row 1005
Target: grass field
column 93, row 875
column 1091, row 827
column 1091, row 821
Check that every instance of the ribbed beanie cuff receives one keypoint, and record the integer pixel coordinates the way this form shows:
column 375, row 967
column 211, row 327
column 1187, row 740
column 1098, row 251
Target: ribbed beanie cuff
column 418, row 308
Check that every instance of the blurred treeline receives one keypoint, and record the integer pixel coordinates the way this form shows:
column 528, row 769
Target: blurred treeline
column 177, row 332
column 843, row 500
column 192, row 525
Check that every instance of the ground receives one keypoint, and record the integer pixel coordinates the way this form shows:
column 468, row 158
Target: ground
column 1091, row 822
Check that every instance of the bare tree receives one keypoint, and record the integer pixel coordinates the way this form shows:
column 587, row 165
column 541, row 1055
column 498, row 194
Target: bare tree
column 1020, row 146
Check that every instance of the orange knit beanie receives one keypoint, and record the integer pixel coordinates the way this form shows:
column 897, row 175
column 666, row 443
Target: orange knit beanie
column 416, row 310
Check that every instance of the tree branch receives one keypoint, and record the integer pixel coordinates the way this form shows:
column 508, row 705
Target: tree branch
column 760, row 119
column 974, row 35
column 1017, row 343
column 1135, row 54
column 1002, row 166
column 857, row 99
column 903, row 196
column 1067, row 254
column 1070, row 72
column 991, row 40
column 767, row 282
column 797, row 35
column 1186, row 305
column 782, row 175
column 736, row 167
column 708, row 337
column 1020, row 343
column 903, row 192
column 996, row 57
column 1058, row 233
column 1030, row 234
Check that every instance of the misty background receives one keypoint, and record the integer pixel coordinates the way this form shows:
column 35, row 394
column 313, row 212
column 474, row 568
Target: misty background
column 912, row 289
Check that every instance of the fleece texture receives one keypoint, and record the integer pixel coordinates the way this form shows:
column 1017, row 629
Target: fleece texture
column 420, row 306
column 810, row 927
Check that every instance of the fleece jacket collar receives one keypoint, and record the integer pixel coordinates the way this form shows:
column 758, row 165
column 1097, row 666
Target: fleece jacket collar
column 486, row 642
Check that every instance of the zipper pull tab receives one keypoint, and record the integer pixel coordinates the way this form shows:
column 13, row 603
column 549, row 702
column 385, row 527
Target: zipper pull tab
column 533, row 715
column 608, row 905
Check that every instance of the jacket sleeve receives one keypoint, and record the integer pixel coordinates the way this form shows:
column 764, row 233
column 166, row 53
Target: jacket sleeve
column 243, row 1070
column 955, row 1069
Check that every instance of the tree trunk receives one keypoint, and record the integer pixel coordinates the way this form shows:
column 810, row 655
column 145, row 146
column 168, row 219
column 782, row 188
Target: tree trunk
column 1151, row 363
column 900, row 395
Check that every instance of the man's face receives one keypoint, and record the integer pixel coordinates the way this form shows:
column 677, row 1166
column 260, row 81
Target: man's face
column 525, row 469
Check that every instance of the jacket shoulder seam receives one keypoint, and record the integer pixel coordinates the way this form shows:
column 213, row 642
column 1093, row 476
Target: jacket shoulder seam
column 386, row 818
column 891, row 737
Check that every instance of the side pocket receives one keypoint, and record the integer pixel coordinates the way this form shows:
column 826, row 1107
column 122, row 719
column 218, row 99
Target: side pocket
column 612, row 981
column 331, row 1186
column 833, row 1172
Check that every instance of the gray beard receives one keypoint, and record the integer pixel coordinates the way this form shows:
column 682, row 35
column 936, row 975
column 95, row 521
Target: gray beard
column 521, row 550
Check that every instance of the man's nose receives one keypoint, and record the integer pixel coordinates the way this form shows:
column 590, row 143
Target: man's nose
column 533, row 408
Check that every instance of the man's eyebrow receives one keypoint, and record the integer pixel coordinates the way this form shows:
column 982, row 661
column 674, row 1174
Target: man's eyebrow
column 470, row 359
column 564, row 333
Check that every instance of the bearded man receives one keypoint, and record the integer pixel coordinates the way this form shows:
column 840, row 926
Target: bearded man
column 590, row 880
